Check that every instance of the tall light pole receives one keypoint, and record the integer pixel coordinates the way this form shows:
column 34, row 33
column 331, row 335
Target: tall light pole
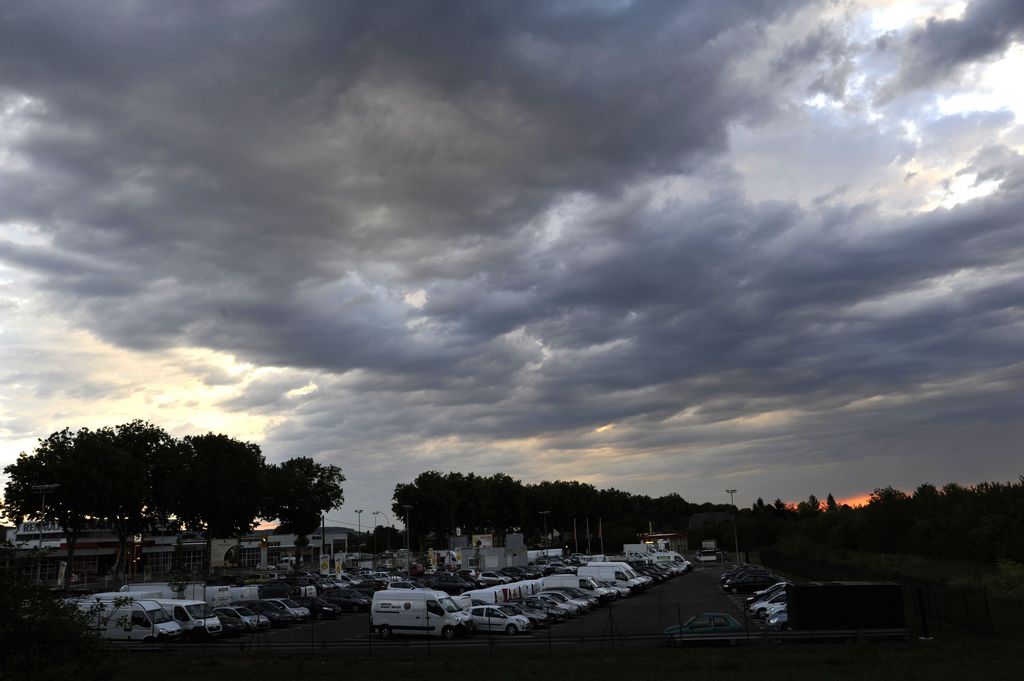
column 408, row 540
column 375, row 514
column 387, row 535
column 735, row 534
column 544, row 515
column 42, row 489
column 359, row 530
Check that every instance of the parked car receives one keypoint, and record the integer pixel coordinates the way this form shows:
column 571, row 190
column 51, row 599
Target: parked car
column 405, row 584
column 778, row 620
column 301, row 613
column 230, row 625
column 536, row 617
column 727, row 574
column 320, row 608
column 562, row 601
column 450, row 583
column 710, row 624
column 493, row 618
column 252, row 620
column 555, row 610
column 577, row 595
column 348, row 600
column 276, row 613
column 760, row 608
column 493, row 579
column 766, row 593
column 749, row 582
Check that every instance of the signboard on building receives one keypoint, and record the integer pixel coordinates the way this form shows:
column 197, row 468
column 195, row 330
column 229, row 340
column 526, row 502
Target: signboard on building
column 483, row 541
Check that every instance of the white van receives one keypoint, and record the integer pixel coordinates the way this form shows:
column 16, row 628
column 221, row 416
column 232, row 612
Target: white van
column 609, row 572
column 125, row 619
column 428, row 613
column 196, row 618
column 582, row 582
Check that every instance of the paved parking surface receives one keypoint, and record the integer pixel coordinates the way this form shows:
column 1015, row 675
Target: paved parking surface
column 633, row 622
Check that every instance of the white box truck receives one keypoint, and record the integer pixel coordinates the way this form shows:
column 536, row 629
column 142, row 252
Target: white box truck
column 127, row 619
column 421, row 613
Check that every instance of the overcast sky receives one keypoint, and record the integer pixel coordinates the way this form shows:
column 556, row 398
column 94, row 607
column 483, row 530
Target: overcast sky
column 662, row 246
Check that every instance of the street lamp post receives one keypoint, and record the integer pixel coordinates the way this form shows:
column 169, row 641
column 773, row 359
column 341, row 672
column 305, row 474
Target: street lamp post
column 544, row 515
column 408, row 541
column 735, row 534
column 42, row 489
column 359, row 530
column 375, row 514
column 387, row 535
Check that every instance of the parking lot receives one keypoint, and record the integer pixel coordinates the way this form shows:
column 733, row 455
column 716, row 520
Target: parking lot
column 633, row 622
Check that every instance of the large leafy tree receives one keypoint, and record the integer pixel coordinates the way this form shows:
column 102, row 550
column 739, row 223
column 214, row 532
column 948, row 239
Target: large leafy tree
column 73, row 461
column 220, row 487
column 299, row 490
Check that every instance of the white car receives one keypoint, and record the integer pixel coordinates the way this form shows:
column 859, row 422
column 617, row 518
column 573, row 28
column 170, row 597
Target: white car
column 779, row 620
column 493, row 579
column 760, row 608
column 490, row 618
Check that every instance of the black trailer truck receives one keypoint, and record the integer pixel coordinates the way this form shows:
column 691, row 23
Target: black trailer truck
column 867, row 608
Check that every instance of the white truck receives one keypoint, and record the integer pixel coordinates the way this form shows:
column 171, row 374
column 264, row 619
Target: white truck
column 417, row 612
column 216, row 596
column 503, row 593
column 127, row 619
column 614, row 573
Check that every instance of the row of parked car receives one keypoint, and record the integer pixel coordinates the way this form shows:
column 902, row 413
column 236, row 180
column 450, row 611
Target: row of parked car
column 510, row 607
column 767, row 600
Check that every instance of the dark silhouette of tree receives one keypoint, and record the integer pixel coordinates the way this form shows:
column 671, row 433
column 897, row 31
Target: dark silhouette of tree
column 299, row 490
column 221, row 487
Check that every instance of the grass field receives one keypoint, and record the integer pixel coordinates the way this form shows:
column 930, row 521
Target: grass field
column 990, row 659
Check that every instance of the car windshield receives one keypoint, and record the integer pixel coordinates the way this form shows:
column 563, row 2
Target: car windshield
column 245, row 612
column 290, row 603
column 449, row 605
column 199, row 610
column 557, row 597
column 158, row 616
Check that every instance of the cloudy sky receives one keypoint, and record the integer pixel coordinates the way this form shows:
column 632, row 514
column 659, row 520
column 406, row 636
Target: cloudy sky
column 662, row 246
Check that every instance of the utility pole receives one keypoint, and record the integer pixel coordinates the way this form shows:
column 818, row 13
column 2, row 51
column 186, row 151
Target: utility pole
column 408, row 540
column 387, row 534
column 43, row 489
column 544, row 514
column 359, row 530
column 375, row 514
column 735, row 534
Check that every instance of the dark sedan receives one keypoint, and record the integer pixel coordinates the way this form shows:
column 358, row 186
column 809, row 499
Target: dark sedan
column 348, row 600
column 749, row 582
column 320, row 608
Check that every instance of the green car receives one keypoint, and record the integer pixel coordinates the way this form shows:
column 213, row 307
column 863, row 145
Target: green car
column 705, row 626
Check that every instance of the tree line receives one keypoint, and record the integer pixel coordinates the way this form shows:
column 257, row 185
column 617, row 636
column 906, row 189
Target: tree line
column 982, row 522
column 441, row 503
column 136, row 477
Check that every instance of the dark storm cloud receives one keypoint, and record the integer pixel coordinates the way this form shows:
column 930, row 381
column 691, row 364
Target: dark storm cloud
column 237, row 161
column 441, row 216
column 939, row 48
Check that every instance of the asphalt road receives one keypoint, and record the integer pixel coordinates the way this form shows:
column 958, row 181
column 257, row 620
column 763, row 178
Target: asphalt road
column 634, row 622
